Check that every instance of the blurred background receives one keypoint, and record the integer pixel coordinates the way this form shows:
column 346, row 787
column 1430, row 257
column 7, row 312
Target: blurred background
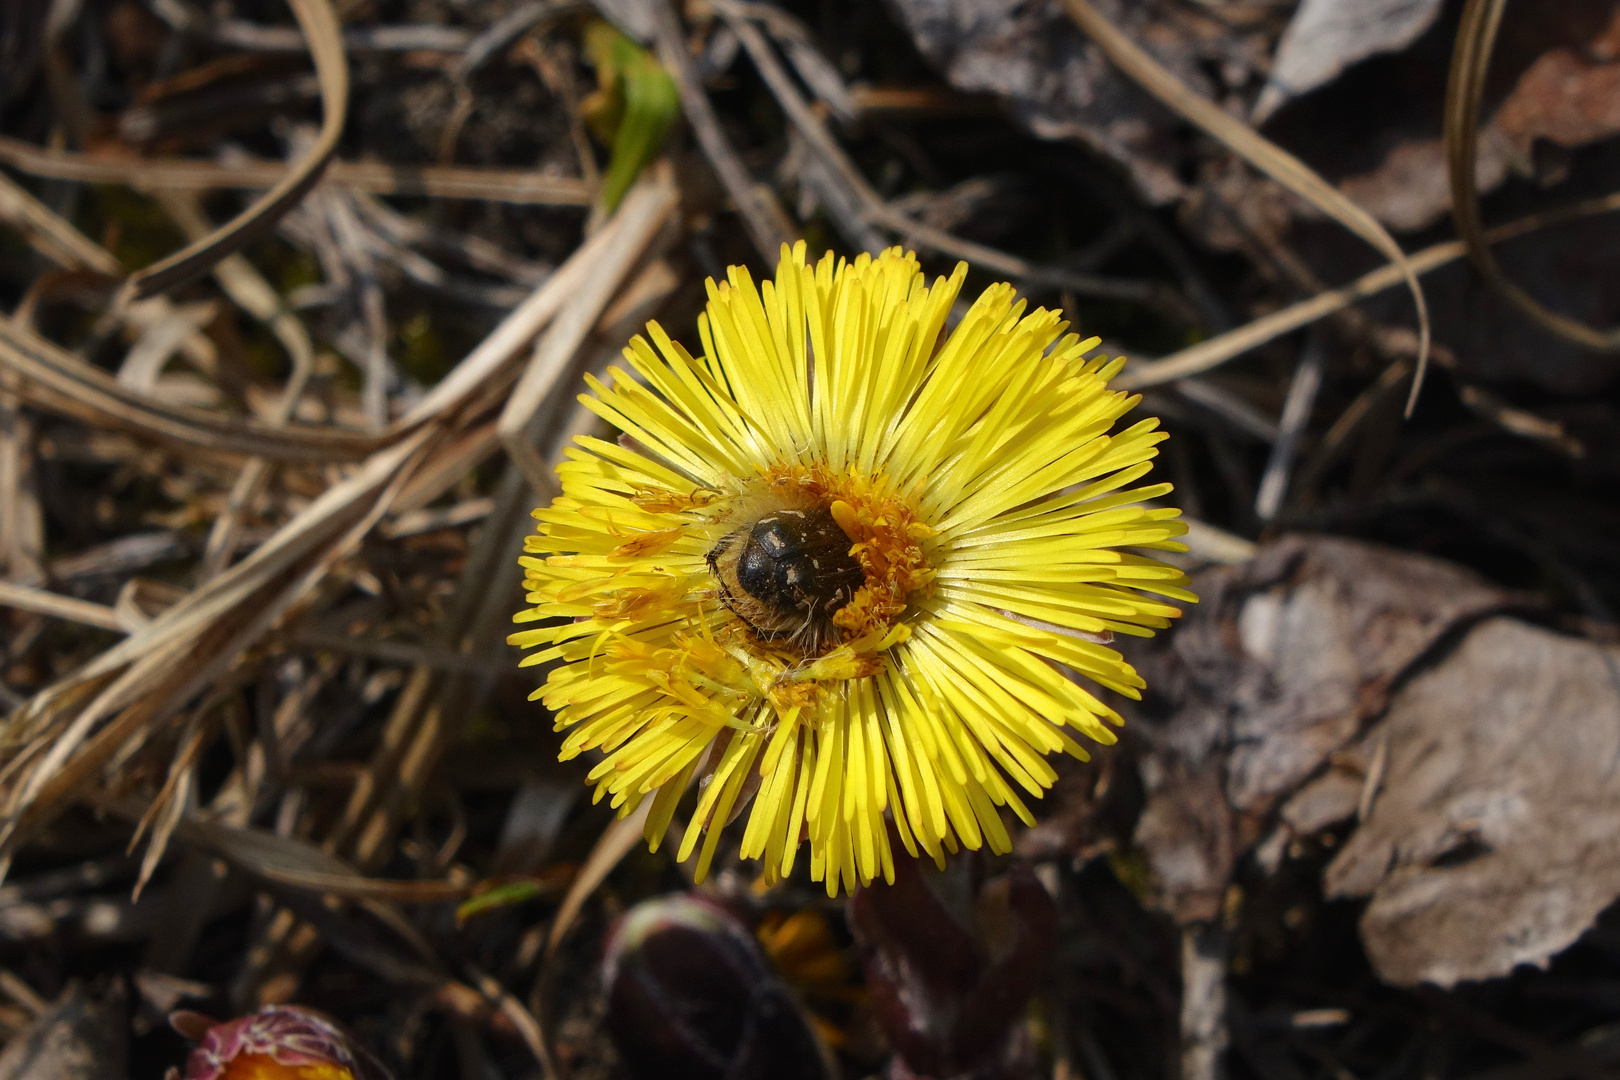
column 299, row 296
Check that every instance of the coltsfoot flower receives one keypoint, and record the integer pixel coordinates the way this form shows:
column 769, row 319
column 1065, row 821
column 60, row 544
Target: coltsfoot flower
column 848, row 566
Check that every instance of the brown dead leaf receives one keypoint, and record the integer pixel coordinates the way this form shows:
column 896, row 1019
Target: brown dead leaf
column 1326, row 36
column 1378, row 132
column 301, row 865
column 1062, row 86
column 1409, row 191
column 1566, row 97
column 1282, row 664
column 1187, row 833
column 1491, row 841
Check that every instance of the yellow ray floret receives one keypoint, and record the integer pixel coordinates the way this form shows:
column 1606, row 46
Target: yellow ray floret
column 847, row 568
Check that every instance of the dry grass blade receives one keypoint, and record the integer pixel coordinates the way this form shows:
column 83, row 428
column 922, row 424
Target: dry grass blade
column 245, row 285
column 171, row 803
column 1296, row 415
column 449, row 465
column 1520, row 422
column 636, row 222
column 201, row 636
column 1234, row 343
column 1476, row 37
column 253, row 37
column 325, row 37
column 472, row 377
column 54, row 379
column 160, row 326
column 299, row 864
column 399, row 652
column 520, row 186
column 616, row 841
column 41, row 602
column 159, row 339
column 22, row 516
column 1260, row 152
column 1355, row 414
column 1223, row 347
column 527, row 1025
column 141, row 682
column 768, row 225
column 431, row 710
column 22, row 993
column 1205, row 541
column 49, row 234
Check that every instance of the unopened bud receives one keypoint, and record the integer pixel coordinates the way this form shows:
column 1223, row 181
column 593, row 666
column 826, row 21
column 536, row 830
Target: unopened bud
column 279, row 1042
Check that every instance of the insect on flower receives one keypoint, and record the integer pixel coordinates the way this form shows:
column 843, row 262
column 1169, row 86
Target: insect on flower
column 847, row 566
column 787, row 574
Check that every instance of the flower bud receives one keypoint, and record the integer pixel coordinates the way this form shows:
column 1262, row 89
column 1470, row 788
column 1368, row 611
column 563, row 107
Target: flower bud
column 279, row 1042
column 691, row 997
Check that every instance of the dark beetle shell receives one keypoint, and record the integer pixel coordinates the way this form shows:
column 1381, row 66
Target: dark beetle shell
column 787, row 574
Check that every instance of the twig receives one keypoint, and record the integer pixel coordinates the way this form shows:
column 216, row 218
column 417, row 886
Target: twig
column 43, row 602
column 527, row 1024
column 767, row 224
column 558, row 77
column 1204, row 1034
column 873, row 210
column 1295, row 415
column 475, row 251
column 1334, row 441
column 376, row 368
column 1163, row 239
column 523, row 186
column 818, row 73
column 254, row 37
column 1231, row 407
column 616, row 841
column 505, row 30
column 320, row 27
column 637, row 220
column 1218, row 350
column 1465, row 89
column 1259, row 151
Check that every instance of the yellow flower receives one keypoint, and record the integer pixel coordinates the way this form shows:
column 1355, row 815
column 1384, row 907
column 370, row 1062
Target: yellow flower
column 847, row 565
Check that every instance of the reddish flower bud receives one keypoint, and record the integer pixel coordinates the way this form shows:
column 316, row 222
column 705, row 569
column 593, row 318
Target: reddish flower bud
column 279, row 1042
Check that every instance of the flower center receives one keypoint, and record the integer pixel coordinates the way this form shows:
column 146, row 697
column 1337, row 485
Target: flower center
column 788, row 574
column 814, row 560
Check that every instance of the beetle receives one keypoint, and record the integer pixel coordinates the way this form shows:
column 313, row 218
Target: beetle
column 787, row 574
